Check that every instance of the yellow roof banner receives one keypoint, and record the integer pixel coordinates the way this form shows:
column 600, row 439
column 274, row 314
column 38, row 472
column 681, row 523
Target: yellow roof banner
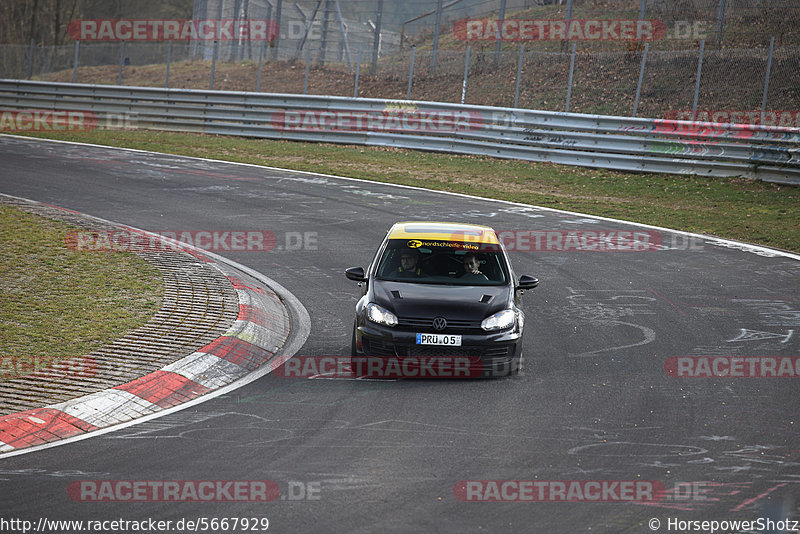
column 433, row 231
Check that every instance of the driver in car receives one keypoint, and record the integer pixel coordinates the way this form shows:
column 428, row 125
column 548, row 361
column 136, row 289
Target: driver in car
column 472, row 266
column 409, row 268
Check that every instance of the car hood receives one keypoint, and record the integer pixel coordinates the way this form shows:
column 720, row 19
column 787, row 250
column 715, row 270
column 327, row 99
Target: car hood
column 473, row 303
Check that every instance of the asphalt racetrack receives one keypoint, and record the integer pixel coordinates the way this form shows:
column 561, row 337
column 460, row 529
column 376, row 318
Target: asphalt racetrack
column 636, row 372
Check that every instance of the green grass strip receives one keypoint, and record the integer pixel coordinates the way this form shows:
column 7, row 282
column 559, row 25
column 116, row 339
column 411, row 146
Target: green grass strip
column 745, row 210
column 57, row 303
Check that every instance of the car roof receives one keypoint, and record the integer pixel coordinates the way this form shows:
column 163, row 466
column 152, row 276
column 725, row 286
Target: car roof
column 440, row 231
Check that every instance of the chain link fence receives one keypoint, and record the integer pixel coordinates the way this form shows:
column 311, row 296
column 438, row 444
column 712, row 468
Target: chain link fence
column 731, row 80
column 747, row 54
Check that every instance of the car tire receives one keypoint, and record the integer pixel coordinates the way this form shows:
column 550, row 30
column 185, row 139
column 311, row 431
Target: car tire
column 517, row 369
column 514, row 368
column 358, row 363
column 353, row 347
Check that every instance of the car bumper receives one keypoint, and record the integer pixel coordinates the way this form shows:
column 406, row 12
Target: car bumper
column 486, row 354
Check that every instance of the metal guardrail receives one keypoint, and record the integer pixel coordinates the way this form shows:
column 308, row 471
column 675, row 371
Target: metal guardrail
column 768, row 153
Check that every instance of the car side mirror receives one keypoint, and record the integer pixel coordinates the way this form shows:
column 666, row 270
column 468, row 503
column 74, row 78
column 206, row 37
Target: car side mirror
column 527, row 282
column 355, row 273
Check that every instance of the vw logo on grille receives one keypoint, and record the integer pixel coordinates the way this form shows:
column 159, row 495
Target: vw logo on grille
column 439, row 323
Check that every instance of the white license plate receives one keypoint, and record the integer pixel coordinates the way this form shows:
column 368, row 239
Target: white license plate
column 439, row 339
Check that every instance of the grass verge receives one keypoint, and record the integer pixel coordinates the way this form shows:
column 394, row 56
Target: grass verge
column 745, row 210
column 56, row 303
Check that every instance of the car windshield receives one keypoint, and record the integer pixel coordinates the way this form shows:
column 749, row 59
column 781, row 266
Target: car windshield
column 443, row 262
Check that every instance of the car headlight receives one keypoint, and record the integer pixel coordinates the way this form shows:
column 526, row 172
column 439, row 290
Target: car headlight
column 500, row 320
column 380, row 315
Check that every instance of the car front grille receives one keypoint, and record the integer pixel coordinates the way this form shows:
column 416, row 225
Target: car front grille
column 500, row 353
column 425, row 325
column 378, row 347
column 442, row 352
column 388, row 349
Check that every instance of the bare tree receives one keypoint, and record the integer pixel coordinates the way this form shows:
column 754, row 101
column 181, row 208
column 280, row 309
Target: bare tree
column 46, row 21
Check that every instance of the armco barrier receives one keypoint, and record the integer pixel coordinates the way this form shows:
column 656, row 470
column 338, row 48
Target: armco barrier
column 768, row 153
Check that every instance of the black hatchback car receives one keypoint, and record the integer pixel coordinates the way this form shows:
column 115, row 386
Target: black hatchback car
column 438, row 300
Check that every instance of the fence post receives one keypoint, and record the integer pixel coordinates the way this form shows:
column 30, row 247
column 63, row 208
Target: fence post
column 246, row 47
column 121, row 61
column 519, row 73
column 720, row 22
column 308, row 24
column 571, row 71
column 308, row 65
column 466, row 73
column 697, row 81
column 411, row 72
column 641, row 77
column 323, row 49
column 30, row 59
column 377, row 39
column 75, row 62
column 358, row 73
column 213, row 66
column 766, row 80
column 276, row 41
column 498, row 38
column 344, row 35
column 169, row 61
column 269, row 15
column 436, row 29
column 568, row 19
column 234, row 45
column 260, row 63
